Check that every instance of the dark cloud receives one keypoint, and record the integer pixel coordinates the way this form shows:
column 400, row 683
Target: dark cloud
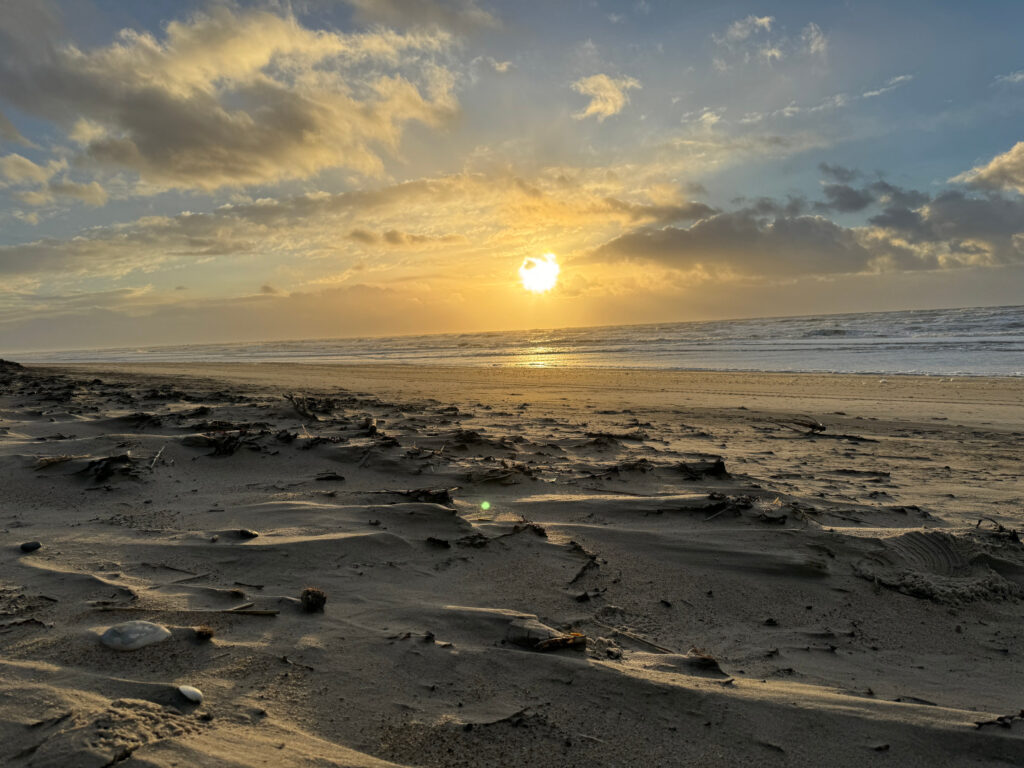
column 396, row 238
column 769, row 237
column 961, row 222
column 743, row 242
column 363, row 236
column 838, row 173
column 769, row 206
column 664, row 214
column 843, row 198
column 953, row 214
column 904, row 220
column 230, row 97
column 897, row 196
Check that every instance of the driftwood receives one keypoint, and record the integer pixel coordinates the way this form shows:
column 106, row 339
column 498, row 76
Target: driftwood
column 1000, row 529
column 299, row 403
column 805, row 426
column 48, row 461
column 1003, row 721
column 633, row 637
column 428, row 495
column 105, row 468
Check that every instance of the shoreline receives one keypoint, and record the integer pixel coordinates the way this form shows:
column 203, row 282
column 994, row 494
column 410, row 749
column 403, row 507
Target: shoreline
column 652, row 386
column 525, row 366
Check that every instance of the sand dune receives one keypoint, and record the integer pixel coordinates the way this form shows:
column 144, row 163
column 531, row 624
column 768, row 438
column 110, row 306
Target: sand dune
column 751, row 589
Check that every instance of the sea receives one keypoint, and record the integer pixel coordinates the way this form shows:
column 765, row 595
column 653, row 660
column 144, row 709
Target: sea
column 979, row 341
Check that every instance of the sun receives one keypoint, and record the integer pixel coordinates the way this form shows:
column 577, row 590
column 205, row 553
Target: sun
column 539, row 274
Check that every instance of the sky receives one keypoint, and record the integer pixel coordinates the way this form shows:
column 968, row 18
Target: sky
column 213, row 171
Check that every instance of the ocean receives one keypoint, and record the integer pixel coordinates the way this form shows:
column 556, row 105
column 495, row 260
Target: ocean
column 981, row 341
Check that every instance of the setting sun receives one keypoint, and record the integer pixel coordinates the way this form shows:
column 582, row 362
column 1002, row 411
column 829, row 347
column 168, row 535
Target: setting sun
column 539, row 274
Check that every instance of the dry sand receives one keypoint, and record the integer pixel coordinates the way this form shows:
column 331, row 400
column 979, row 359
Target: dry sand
column 814, row 598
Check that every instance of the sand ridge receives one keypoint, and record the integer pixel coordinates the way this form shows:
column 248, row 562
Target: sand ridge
column 753, row 590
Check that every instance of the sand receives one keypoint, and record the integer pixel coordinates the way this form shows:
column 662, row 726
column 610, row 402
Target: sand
column 521, row 567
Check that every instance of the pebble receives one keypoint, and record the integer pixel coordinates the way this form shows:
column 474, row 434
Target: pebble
column 30, row 546
column 190, row 693
column 132, row 635
column 313, row 600
column 245, row 533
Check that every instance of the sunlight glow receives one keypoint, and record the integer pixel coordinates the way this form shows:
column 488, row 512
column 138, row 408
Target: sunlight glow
column 539, row 275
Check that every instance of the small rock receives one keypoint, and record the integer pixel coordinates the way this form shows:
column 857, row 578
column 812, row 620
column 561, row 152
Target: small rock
column 30, row 546
column 313, row 600
column 192, row 694
column 245, row 533
column 132, row 635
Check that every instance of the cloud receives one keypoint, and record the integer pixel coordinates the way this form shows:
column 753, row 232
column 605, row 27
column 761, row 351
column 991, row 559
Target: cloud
column 8, row 132
column 20, row 171
column 234, row 97
column 489, row 63
column 363, row 236
column 750, row 39
column 845, row 199
column 838, row 172
column 1011, row 78
column 500, row 66
column 706, row 118
column 890, row 85
column 456, row 15
column 745, row 243
column 814, row 40
column 952, row 228
column 607, row 95
column 770, row 239
column 471, row 215
column 91, row 193
column 768, row 206
column 397, row 238
column 702, row 150
column 742, row 29
column 828, row 104
column 1005, row 172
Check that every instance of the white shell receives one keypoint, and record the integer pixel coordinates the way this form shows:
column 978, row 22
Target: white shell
column 132, row 635
column 190, row 693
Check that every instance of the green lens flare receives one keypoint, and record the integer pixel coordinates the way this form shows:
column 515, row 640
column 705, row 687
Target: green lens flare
column 485, row 505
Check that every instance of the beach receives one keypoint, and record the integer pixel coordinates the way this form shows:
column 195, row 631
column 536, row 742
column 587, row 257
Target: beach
column 522, row 566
